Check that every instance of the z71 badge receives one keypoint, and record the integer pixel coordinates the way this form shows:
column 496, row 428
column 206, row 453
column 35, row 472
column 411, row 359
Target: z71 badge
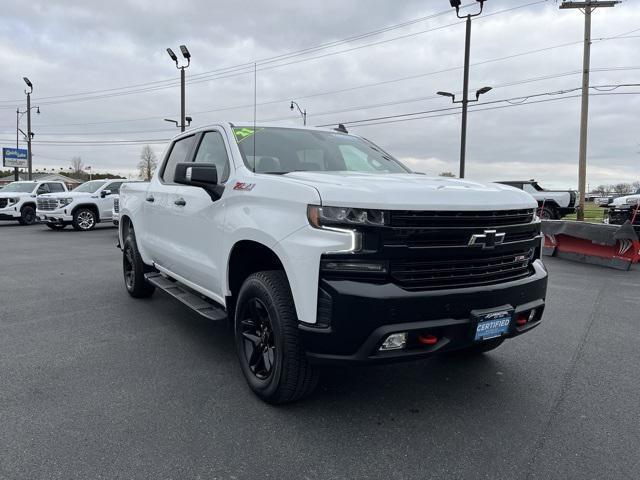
column 244, row 186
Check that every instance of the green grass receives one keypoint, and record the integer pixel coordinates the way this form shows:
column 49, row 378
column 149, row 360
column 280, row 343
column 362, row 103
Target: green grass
column 592, row 213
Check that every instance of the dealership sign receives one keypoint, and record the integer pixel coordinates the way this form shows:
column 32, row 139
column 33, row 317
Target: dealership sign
column 15, row 157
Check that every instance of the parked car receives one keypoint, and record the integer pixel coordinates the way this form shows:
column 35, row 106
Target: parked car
column 83, row 208
column 552, row 204
column 623, row 209
column 320, row 248
column 605, row 200
column 18, row 199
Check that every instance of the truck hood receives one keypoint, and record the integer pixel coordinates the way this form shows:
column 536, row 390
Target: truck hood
column 70, row 194
column 14, row 194
column 410, row 191
column 622, row 201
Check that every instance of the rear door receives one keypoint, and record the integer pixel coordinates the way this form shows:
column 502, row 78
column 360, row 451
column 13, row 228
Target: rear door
column 197, row 220
column 158, row 233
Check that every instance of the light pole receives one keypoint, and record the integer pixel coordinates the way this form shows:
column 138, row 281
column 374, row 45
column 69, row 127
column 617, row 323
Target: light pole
column 19, row 115
column 587, row 7
column 188, row 119
column 29, row 133
column 187, row 55
column 465, row 89
column 302, row 112
column 465, row 102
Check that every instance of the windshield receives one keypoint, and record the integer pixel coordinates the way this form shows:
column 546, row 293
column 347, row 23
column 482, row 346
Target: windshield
column 283, row 150
column 26, row 187
column 90, row 187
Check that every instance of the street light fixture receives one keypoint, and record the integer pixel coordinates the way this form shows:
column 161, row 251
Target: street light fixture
column 185, row 53
column 302, row 112
column 465, row 89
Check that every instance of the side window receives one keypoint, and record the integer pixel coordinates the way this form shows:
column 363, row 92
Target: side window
column 212, row 150
column 44, row 188
column 179, row 152
column 114, row 187
column 56, row 187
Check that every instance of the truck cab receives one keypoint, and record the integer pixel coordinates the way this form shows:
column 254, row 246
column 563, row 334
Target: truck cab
column 318, row 247
column 18, row 199
column 83, row 208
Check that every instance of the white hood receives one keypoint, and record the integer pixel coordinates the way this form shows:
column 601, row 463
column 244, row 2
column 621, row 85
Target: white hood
column 14, row 194
column 70, row 194
column 411, row 192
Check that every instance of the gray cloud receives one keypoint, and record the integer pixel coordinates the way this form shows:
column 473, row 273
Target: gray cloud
column 69, row 47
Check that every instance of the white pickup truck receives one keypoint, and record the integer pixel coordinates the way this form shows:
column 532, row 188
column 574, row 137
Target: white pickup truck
column 18, row 199
column 623, row 209
column 552, row 204
column 320, row 248
column 83, row 207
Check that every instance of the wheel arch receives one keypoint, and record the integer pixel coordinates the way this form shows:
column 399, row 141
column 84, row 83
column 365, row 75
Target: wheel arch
column 247, row 257
column 89, row 206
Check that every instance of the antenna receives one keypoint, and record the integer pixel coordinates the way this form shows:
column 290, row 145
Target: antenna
column 255, row 107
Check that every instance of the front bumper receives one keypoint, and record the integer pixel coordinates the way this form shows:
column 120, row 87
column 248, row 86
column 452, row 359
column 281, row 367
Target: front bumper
column 9, row 213
column 363, row 314
column 60, row 216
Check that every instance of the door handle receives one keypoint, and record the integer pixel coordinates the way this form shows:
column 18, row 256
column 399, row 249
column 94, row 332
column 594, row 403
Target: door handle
column 150, row 198
column 180, row 202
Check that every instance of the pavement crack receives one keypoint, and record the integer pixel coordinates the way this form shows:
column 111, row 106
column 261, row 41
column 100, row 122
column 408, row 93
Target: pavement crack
column 566, row 382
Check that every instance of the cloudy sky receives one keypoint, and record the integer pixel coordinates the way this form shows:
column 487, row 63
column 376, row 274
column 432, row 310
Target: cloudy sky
column 101, row 74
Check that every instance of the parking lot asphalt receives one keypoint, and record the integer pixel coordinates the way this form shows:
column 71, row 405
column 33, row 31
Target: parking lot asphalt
column 95, row 384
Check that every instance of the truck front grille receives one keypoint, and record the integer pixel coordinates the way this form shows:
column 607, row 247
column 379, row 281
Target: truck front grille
column 429, row 250
column 116, row 205
column 3, row 202
column 438, row 274
column 47, row 204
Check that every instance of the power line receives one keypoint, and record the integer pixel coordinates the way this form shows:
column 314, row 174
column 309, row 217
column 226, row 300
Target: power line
column 248, row 69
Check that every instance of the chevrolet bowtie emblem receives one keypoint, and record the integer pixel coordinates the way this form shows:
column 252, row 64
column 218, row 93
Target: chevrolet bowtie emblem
column 488, row 239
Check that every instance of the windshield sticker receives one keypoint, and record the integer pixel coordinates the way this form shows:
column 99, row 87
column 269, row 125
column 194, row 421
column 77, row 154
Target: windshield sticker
column 242, row 133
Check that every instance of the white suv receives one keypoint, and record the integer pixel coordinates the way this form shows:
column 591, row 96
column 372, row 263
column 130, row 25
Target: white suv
column 83, row 207
column 18, row 199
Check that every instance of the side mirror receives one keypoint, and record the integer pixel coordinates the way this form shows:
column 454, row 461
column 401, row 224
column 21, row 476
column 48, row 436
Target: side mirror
column 203, row 175
column 104, row 193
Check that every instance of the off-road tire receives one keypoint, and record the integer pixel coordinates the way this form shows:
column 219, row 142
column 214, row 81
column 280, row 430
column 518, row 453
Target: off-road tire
column 27, row 216
column 84, row 219
column 547, row 213
column 292, row 377
column 133, row 269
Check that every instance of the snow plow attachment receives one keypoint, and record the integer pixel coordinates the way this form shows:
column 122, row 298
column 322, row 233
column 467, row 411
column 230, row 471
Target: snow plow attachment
column 613, row 246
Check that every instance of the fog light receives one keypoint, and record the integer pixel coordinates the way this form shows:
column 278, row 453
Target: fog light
column 532, row 315
column 395, row 341
column 354, row 266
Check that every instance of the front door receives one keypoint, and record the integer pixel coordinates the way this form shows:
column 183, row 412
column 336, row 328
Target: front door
column 197, row 220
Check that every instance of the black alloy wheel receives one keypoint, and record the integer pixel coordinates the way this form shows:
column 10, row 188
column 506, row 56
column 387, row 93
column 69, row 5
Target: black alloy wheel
column 259, row 345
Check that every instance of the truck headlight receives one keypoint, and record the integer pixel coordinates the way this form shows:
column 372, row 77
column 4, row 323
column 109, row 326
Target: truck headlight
column 343, row 216
column 63, row 202
column 12, row 200
column 633, row 201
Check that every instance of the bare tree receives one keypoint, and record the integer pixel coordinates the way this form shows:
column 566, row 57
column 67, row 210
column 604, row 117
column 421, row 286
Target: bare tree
column 148, row 163
column 622, row 188
column 602, row 189
column 447, row 174
column 77, row 165
column 636, row 185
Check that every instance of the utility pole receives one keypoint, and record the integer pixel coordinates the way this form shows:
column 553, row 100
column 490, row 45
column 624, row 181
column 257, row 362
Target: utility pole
column 29, row 92
column 465, row 92
column 587, row 7
column 187, row 55
column 16, row 176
